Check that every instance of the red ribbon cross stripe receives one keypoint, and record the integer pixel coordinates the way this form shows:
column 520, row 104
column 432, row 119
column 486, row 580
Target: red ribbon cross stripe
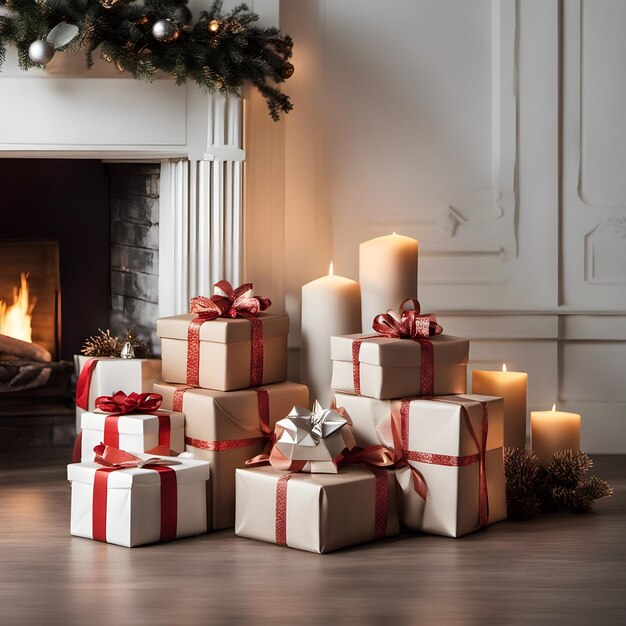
column 114, row 459
column 453, row 461
column 381, row 504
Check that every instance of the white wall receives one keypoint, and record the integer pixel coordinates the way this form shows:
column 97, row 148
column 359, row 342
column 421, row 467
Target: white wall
column 472, row 126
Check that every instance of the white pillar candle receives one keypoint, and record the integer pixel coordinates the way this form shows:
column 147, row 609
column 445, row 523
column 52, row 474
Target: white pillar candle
column 387, row 273
column 331, row 305
column 512, row 388
column 554, row 430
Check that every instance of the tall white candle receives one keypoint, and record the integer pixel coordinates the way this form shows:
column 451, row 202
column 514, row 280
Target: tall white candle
column 554, row 430
column 387, row 273
column 512, row 388
column 331, row 305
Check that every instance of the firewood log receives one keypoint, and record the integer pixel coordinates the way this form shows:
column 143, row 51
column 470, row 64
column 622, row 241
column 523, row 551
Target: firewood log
column 23, row 350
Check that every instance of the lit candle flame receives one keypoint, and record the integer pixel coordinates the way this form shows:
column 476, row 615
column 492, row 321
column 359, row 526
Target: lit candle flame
column 394, row 232
column 504, row 367
column 330, row 269
column 554, row 407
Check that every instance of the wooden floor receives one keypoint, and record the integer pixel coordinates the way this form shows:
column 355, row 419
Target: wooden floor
column 558, row 569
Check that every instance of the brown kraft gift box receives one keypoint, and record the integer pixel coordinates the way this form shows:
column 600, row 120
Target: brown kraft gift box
column 387, row 367
column 225, row 352
column 225, row 428
column 316, row 512
column 454, row 443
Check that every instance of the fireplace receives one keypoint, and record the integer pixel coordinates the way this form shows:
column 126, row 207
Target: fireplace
column 57, row 184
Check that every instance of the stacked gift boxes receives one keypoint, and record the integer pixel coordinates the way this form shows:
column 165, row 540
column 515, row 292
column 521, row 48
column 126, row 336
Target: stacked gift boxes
column 222, row 390
column 406, row 444
column 321, row 493
column 405, row 388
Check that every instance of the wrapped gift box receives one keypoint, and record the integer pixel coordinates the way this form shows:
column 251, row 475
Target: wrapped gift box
column 133, row 507
column 316, row 512
column 436, row 439
column 225, row 428
column 133, row 432
column 115, row 374
column 397, row 368
column 226, row 352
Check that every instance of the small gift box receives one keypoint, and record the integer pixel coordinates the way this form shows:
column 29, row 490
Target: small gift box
column 225, row 343
column 103, row 376
column 407, row 357
column 230, row 428
column 449, row 453
column 312, row 441
column 316, row 512
column 131, row 500
column 133, row 423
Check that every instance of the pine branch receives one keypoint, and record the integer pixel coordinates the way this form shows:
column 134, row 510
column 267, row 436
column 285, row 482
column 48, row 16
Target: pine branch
column 218, row 59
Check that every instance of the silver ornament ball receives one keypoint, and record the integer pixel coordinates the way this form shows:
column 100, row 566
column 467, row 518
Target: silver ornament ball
column 183, row 17
column 165, row 30
column 41, row 52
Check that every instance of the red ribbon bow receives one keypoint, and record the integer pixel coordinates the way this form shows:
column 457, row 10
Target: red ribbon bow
column 123, row 404
column 110, row 456
column 407, row 323
column 237, row 302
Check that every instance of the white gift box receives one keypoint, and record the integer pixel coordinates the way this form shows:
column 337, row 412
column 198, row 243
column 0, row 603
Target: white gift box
column 137, row 432
column 117, row 374
column 133, row 503
column 438, row 443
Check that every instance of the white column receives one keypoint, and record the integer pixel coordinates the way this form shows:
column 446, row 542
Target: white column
column 201, row 221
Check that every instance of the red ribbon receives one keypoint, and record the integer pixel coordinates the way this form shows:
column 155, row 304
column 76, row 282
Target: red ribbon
column 121, row 404
column 448, row 460
column 281, row 509
column 83, row 384
column 114, row 459
column 267, row 435
column 234, row 303
column 407, row 323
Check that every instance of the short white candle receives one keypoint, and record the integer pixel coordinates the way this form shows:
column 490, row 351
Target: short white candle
column 512, row 388
column 331, row 305
column 387, row 273
column 554, row 430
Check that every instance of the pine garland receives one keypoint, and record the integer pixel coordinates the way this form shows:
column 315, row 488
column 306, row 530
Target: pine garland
column 560, row 483
column 219, row 52
column 103, row 344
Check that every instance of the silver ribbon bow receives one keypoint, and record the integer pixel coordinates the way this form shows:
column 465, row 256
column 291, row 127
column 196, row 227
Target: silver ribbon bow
column 306, row 428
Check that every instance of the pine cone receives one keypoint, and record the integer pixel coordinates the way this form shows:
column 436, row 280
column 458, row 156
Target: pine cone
column 567, row 468
column 101, row 345
column 522, row 471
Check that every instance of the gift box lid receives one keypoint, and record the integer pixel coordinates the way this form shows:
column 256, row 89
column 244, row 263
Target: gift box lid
column 187, row 471
column 132, row 424
column 311, row 481
column 223, row 415
column 222, row 329
column 389, row 352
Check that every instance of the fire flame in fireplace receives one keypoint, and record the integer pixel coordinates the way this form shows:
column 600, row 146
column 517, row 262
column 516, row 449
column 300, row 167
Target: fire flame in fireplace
column 15, row 318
